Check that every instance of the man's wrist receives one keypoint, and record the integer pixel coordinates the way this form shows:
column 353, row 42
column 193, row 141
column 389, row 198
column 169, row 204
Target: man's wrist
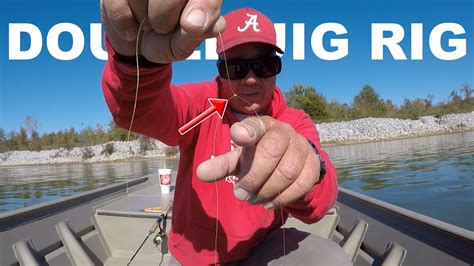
column 322, row 163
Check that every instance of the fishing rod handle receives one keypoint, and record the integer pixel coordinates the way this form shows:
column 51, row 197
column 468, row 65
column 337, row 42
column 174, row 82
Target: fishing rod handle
column 167, row 209
column 153, row 228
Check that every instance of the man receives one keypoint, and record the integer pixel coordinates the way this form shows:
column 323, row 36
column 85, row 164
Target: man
column 266, row 166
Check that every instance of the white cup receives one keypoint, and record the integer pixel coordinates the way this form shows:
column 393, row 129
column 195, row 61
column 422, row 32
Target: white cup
column 165, row 180
column 165, row 189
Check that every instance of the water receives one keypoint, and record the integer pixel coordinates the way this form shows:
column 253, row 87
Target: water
column 22, row 186
column 430, row 175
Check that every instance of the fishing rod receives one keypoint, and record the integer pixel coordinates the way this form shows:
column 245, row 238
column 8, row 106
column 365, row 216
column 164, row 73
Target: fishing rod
column 161, row 237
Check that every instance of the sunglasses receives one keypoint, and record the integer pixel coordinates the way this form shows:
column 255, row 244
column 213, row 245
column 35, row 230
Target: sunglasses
column 238, row 69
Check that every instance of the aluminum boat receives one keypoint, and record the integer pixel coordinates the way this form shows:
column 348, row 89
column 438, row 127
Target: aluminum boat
column 106, row 226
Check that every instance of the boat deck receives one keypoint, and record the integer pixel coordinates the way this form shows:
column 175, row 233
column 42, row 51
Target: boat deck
column 123, row 225
column 136, row 201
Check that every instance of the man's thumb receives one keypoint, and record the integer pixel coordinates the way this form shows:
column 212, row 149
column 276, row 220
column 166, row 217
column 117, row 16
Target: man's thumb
column 249, row 131
column 200, row 16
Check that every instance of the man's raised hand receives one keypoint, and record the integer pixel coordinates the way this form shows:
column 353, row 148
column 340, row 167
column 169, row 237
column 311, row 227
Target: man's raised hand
column 172, row 28
column 274, row 164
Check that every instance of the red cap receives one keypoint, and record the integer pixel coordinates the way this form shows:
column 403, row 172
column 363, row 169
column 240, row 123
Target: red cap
column 247, row 25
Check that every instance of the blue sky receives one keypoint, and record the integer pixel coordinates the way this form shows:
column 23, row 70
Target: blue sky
column 63, row 94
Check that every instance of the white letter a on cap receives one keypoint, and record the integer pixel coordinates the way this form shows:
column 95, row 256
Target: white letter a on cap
column 251, row 21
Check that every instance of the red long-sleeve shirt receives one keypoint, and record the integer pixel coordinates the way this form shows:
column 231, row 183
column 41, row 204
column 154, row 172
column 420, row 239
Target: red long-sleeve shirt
column 162, row 108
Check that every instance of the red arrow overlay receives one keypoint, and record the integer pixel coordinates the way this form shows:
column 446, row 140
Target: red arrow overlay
column 217, row 106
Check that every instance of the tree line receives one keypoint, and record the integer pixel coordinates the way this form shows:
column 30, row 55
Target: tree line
column 367, row 103
column 28, row 138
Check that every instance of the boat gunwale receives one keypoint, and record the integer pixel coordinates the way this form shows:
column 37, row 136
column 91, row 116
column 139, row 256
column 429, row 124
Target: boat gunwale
column 412, row 215
column 409, row 229
column 18, row 217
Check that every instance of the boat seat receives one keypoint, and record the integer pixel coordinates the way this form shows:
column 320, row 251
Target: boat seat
column 324, row 227
column 394, row 255
column 352, row 242
column 74, row 246
column 26, row 253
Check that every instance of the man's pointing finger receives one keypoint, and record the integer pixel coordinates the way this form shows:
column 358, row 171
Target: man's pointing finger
column 219, row 167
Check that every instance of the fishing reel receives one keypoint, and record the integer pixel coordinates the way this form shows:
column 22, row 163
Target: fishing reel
column 161, row 237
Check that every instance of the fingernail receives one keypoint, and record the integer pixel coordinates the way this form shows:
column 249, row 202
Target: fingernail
column 268, row 205
column 241, row 194
column 250, row 130
column 197, row 17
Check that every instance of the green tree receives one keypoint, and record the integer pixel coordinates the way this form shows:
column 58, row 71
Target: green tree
column 22, row 139
column 391, row 109
column 47, row 140
column 59, row 140
column 100, row 135
column 35, row 143
column 116, row 133
column 429, row 100
column 12, row 142
column 338, row 112
column 87, row 136
column 3, row 141
column 458, row 103
column 72, row 138
column 368, row 103
column 413, row 109
column 307, row 99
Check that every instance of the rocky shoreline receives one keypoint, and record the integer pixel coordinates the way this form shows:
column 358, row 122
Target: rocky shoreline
column 355, row 131
column 375, row 129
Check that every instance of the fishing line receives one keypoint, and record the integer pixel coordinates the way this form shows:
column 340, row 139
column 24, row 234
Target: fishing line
column 137, row 43
column 264, row 130
column 215, row 133
column 217, row 200
column 230, row 83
